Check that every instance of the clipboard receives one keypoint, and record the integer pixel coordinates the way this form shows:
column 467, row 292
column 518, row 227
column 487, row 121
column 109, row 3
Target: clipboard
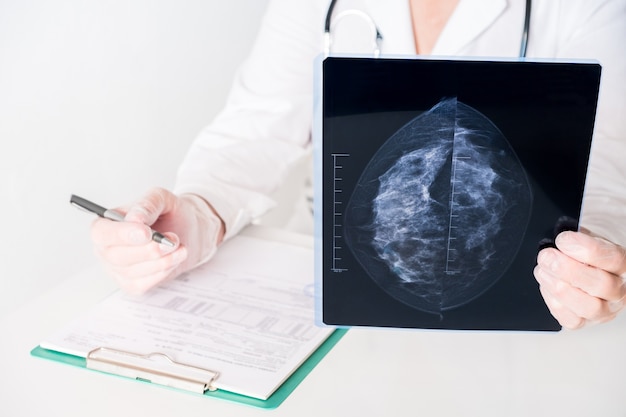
column 112, row 361
column 249, row 302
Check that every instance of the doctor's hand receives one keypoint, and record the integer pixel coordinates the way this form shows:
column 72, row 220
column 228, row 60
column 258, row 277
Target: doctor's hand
column 138, row 263
column 582, row 281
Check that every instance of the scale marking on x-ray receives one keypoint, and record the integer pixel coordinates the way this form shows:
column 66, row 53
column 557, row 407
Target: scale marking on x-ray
column 338, row 207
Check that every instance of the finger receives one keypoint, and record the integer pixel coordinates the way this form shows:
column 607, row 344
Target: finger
column 141, row 285
column 154, row 204
column 564, row 316
column 123, row 256
column 106, row 232
column 140, row 277
column 593, row 281
column 593, row 251
column 573, row 299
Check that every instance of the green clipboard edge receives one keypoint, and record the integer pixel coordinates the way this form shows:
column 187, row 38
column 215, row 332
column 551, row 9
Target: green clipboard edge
column 272, row 402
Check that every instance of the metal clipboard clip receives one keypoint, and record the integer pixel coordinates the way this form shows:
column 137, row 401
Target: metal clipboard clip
column 157, row 368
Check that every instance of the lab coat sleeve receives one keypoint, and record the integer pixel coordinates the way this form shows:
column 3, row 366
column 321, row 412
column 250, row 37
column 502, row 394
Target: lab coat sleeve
column 246, row 152
column 597, row 29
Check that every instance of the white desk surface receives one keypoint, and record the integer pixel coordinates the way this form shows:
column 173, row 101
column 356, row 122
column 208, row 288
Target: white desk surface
column 368, row 373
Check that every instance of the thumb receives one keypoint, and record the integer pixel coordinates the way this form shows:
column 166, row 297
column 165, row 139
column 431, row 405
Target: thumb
column 593, row 251
column 150, row 207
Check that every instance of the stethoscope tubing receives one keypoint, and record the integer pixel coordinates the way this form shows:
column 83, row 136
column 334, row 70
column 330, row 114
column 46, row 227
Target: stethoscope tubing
column 523, row 45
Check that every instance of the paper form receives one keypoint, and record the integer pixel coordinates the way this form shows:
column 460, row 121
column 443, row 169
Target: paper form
column 247, row 314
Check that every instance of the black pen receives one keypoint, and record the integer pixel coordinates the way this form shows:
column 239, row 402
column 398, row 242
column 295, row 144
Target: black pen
column 113, row 215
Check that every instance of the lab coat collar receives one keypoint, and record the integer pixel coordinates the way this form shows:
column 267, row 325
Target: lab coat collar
column 393, row 19
column 469, row 20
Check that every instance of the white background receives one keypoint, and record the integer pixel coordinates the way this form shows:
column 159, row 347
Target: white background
column 100, row 99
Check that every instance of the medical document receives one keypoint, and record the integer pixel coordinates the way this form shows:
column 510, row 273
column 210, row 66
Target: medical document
column 247, row 314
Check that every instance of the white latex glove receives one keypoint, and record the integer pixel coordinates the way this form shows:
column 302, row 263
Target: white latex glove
column 583, row 280
column 138, row 263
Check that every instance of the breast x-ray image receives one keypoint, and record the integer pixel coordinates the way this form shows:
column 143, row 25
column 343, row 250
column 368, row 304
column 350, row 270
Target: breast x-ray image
column 439, row 180
column 440, row 210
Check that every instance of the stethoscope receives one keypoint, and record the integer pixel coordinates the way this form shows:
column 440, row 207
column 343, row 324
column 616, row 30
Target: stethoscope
column 377, row 36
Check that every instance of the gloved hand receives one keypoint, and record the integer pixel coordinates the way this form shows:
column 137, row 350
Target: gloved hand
column 583, row 280
column 138, row 263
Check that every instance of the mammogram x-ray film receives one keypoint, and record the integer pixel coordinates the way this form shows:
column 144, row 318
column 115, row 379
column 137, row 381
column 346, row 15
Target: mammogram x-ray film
column 440, row 181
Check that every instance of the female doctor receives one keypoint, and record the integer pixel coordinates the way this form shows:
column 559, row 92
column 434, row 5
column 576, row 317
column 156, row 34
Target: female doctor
column 236, row 162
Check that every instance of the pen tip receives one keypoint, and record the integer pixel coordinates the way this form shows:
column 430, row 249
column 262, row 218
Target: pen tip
column 168, row 242
column 159, row 238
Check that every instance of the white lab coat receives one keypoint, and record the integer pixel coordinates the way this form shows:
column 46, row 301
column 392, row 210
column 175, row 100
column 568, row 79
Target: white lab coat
column 264, row 129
